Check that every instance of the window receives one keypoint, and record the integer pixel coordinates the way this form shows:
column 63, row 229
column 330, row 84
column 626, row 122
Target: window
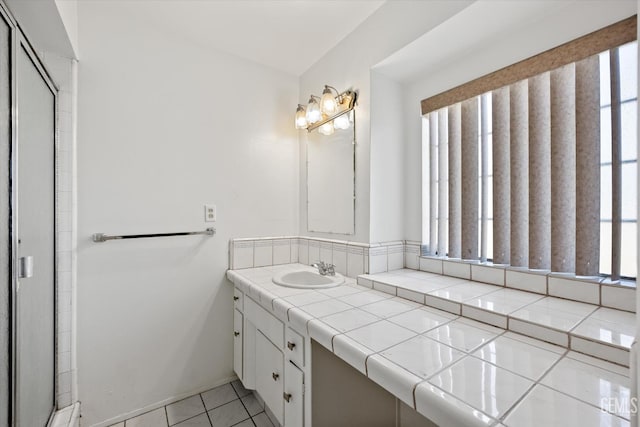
column 628, row 102
column 541, row 171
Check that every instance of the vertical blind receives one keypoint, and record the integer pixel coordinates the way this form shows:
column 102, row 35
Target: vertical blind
column 518, row 165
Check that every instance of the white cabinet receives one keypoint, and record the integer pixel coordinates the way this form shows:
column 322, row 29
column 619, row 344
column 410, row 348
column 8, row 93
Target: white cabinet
column 293, row 395
column 249, row 355
column 269, row 357
column 270, row 376
column 267, row 323
column 238, row 338
column 294, row 347
column 238, row 299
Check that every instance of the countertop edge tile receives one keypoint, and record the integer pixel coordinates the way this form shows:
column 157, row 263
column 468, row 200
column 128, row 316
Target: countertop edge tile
column 352, row 352
column 445, row 409
column 393, row 378
column 322, row 333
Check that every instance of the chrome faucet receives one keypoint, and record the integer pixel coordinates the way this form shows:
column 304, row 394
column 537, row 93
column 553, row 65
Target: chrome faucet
column 325, row 269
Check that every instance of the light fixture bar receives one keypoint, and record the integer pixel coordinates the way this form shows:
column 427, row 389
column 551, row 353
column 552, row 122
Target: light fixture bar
column 348, row 101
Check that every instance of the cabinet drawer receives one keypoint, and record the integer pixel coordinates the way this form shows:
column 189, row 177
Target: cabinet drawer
column 238, row 299
column 238, row 337
column 265, row 322
column 294, row 347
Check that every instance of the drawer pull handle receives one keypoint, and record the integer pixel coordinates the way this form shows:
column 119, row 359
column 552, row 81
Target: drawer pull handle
column 291, row 345
column 287, row 396
column 235, row 333
column 235, row 298
column 275, row 376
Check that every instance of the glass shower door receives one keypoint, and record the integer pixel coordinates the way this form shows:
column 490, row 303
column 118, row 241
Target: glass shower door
column 5, row 225
column 35, row 305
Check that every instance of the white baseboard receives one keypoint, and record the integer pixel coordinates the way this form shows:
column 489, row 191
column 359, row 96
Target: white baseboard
column 161, row 403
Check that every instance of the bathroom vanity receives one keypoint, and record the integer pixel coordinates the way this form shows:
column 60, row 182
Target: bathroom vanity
column 357, row 354
column 273, row 356
column 269, row 357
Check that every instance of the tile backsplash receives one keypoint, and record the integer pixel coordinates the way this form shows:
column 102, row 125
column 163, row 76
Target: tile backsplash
column 350, row 258
column 353, row 259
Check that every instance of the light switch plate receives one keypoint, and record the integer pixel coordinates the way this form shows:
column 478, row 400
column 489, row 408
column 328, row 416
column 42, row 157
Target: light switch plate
column 209, row 213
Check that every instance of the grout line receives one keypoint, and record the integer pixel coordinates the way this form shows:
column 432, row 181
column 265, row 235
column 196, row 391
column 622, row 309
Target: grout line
column 244, row 406
column 602, row 343
column 583, row 320
column 535, row 383
column 566, row 356
column 585, row 402
column 463, row 401
column 186, row 419
column 570, row 350
column 205, row 406
column 551, row 328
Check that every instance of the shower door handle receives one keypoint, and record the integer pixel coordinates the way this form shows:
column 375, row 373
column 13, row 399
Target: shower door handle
column 25, row 267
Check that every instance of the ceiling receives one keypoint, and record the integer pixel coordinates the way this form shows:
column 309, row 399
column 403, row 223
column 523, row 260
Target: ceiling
column 491, row 26
column 289, row 35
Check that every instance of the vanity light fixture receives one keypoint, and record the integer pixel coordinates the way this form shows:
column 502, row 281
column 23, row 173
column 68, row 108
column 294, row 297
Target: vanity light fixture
column 327, row 128
column 313, row 111
column 343, row 121
column 328, row 104
column 326, row 113
column 301, row 118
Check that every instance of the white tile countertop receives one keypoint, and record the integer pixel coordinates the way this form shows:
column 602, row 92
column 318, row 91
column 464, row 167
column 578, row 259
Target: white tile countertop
column 451, row 369
column 602, row 332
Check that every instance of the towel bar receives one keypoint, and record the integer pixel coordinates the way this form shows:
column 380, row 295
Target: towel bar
column 101, row 237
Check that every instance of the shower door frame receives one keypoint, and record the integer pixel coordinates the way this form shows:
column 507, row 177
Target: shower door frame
column 20, row 41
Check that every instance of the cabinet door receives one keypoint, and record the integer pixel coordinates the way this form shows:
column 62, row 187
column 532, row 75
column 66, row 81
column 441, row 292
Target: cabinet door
column 249, row 355
column 293, row 396
column 269, row 375
column 238, row 337
column 238, row 299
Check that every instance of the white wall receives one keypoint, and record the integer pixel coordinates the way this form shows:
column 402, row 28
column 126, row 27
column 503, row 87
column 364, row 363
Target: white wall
column 164, row 127
column 348, row 65
column 543, row 27
column 68, row 11
column 387, row 151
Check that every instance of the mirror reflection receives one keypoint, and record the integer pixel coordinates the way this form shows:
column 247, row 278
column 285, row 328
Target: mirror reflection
column 331, row 180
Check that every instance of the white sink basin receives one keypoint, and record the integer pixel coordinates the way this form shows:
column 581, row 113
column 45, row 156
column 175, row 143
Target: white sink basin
column 305, row 279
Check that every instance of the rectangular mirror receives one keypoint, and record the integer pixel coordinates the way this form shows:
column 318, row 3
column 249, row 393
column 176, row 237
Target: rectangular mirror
column 331, row 181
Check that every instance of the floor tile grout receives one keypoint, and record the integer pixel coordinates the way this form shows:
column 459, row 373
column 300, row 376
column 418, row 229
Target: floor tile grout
column 206, row 411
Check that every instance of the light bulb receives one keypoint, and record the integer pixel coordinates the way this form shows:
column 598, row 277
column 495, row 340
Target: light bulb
column 328, row 103
column 301, row 118
column 326, row 129
column 313, row 111
column 342, row 122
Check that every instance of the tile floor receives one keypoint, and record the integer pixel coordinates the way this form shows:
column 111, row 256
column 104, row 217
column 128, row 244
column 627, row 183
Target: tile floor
column 224, row 406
